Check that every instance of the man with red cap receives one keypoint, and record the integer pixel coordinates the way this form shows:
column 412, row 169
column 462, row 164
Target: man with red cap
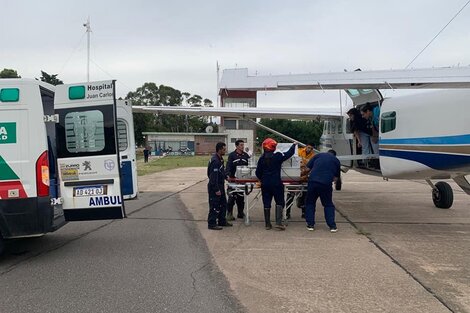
column 268, row 172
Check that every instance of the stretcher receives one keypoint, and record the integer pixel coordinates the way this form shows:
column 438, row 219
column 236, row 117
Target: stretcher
column 249, row 186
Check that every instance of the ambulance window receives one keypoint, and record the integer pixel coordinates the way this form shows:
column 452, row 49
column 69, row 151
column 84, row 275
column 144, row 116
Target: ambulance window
column 122, row 135
column 10, row 95
column 84, row 131
column 388, row 122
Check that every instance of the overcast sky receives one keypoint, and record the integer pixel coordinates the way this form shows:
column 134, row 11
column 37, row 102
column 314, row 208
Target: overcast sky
column 177, row 43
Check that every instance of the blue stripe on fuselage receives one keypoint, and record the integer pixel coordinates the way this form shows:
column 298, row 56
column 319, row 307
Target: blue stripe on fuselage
column 445, row 140
column 438, row 161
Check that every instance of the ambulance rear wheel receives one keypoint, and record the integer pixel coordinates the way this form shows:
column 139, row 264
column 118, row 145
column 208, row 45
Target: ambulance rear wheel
column 339, row 184
column 442, row 195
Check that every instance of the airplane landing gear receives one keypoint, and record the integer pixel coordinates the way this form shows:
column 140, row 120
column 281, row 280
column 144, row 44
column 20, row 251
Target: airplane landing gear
column 442, row 194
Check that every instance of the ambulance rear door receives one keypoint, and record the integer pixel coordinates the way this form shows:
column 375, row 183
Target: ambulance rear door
column 126, row 142
column 87, row 151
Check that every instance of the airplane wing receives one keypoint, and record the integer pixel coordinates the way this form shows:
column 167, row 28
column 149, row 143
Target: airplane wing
column 455, row 77
column 242, row 113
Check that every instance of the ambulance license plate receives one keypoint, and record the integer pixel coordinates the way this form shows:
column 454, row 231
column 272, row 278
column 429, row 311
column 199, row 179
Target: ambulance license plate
column 88, row 191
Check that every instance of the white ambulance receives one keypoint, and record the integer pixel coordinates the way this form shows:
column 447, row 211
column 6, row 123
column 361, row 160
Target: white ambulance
column 63, row 152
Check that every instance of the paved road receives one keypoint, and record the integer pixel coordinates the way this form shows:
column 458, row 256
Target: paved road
column 153, row 261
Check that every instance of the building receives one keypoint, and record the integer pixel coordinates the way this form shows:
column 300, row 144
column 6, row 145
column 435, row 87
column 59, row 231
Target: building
column 237, row 128
column 183, row 143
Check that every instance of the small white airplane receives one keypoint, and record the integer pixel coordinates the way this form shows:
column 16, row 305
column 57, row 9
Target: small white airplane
column 422, row 136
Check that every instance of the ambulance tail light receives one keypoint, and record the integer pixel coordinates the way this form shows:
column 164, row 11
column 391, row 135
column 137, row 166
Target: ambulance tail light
column 42, row 175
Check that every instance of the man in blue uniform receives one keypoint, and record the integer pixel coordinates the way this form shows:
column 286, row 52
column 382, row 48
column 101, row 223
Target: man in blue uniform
column 325, row 168
column 237, row 158
column 268, row 172
column 216, row 189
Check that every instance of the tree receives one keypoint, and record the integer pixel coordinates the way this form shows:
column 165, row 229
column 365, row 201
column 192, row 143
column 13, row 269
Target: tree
column 195, row 101
column 152, row 95
column 9, row 73
column 207, row 103
column 51, row 79
column 302, row 131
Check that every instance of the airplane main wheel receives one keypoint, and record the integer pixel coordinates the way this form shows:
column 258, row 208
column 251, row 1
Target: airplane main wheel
column 442, row 195
column 339, row 184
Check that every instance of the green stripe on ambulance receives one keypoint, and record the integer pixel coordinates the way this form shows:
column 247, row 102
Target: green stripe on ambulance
column 6, row 173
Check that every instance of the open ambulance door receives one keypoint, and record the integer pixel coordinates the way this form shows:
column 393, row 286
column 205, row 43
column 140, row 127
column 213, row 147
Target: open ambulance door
column 87, row 151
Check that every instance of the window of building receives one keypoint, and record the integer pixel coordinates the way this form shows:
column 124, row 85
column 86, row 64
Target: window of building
column 230, row 124
column 239, row 103
column 388, row 122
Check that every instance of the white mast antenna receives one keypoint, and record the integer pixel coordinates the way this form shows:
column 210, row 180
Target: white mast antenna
column 88, row 31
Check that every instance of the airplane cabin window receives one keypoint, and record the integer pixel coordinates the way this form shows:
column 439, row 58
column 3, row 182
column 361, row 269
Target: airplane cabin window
column 388, row 121
column 340, row 127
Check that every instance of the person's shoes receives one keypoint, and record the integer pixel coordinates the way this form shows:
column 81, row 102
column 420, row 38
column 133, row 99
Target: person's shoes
column 333, row 230
column 215, row 227
column 280, row 227
column 288, row 217
column 240, row 216
column 227, row 224
column 268, row 226
column 310, row 227
column 230, row 217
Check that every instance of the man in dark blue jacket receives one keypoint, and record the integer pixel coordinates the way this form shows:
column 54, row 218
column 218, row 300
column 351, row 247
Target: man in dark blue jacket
column 268, row 172
column 237, row 158
column 325, row 168
column 216, row 189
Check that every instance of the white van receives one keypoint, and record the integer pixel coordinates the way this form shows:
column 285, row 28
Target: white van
column 60, row 156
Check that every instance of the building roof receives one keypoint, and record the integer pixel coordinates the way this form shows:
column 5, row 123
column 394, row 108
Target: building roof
column 184, row 134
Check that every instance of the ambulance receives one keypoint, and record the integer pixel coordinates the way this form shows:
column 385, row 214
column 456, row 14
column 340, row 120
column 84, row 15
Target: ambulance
column 67, row 153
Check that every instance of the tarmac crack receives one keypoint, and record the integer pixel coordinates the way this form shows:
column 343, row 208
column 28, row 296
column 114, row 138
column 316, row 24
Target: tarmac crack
column 194, row 281
column 394, row 260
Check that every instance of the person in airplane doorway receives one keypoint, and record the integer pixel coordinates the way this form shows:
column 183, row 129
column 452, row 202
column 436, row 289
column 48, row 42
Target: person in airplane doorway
column 216, row 189
column 358, row 126
column 236, row 158
column 372, row 115
column 268, row 172
column 305, row 153
column 324, row 169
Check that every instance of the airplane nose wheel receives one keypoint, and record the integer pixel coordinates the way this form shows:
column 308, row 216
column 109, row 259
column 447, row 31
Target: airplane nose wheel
column 442, row 195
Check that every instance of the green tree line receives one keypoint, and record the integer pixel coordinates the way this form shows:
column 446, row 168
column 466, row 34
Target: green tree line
column 302, row 131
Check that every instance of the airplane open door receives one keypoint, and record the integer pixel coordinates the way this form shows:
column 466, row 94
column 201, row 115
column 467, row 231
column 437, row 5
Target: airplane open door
column 87, row 151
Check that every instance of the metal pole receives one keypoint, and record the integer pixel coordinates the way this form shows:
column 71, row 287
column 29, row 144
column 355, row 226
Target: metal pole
column 88, row 31
column 276, row 132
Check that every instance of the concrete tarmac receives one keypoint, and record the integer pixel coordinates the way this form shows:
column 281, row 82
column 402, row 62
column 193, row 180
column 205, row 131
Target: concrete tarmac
column 153, row 261
column 394, row 252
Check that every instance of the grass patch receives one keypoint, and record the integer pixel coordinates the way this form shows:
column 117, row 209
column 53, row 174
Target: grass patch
column 156, row 165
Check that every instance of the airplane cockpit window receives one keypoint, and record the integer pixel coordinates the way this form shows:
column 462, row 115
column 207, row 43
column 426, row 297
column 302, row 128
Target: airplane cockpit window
column 388, row 121
column 365, row 91
column 353, row 92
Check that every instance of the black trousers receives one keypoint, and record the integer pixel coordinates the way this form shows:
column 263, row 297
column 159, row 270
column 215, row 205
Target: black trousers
column 238, row 198
column 217, row 209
